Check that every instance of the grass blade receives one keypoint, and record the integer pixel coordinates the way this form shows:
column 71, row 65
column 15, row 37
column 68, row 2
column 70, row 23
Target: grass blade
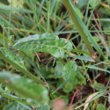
column 82, row 29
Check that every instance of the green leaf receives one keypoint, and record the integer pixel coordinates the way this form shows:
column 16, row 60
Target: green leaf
column 94, row 67
column 70, row 74
column 6, row 93
column 11, row 57
column 108, row 1
column 106, row 27
column 3, row 39
column 17, row 62
column 84, row 58
column 58, row 69
column 4, row 1
column 98, row 86
column 94, row 3
column 7, row 8
column 101, row 107
column 16, row 106
column 79, row 13
column 44, row 107
column 25, row 87
column 16, row 3
column 82, row 3
column 48, row 43
column 104, row 12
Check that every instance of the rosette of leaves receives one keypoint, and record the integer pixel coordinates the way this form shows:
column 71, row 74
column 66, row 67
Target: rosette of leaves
column 70, row 75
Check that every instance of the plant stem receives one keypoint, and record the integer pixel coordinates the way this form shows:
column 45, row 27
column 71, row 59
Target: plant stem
column 82, row 29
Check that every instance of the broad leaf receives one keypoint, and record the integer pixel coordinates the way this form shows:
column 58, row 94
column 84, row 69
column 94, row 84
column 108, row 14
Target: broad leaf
column 101, row 107
column 47, row 43
column 70, row 74
column 25, row 87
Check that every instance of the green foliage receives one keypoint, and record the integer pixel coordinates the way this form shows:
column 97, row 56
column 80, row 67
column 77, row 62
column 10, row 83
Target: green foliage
column 25, row 87
column 82, row 29
column 10, row 57
column 98, row 86
column 101, row 107
column 45, row 107
column 94, row 3
column 82, row 3
column 16, row 62
column 47, row 43
column 70, row 74
column 16, row 106
column 45, row 55
column 16, row 3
